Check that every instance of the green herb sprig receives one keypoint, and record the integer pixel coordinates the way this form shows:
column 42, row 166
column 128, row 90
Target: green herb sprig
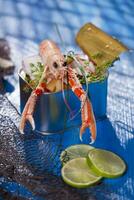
column 100, row 71
column 36, row 70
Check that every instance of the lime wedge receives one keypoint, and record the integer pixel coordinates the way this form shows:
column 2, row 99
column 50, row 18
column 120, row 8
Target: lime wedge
column 106, row 163
column 75, row 151
column 77, row 173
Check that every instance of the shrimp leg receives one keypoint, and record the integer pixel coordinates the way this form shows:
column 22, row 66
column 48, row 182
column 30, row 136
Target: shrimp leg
column 87, row 115
column 27, row 113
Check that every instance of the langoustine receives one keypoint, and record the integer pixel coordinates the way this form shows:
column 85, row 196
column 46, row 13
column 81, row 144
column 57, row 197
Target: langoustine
column 55, row 67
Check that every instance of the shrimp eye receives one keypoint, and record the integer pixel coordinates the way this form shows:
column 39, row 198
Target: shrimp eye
column 65, row 63
column 55, row 64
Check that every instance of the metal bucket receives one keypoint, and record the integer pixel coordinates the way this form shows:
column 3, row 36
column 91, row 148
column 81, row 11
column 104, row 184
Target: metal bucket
column 51, row 114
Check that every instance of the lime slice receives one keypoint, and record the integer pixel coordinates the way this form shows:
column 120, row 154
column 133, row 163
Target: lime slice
column 77, row 173
column 106, row 163
column 75, row 151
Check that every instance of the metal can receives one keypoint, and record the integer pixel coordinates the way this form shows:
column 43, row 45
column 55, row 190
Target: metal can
column 51, row 114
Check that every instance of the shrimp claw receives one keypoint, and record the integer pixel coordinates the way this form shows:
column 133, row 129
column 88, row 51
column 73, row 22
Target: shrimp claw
column 28, row 112
column 88, row 119
column 87, row 115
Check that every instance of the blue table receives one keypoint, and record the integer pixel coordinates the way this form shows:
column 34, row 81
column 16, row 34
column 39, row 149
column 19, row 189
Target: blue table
column 25, row 23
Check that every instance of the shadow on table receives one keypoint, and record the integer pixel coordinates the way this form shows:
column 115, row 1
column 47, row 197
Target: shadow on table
column 41, row 155
column 44, row 151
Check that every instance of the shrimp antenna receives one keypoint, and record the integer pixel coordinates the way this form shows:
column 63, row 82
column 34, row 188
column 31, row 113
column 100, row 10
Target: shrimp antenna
column 64, row 47
column 60, row 37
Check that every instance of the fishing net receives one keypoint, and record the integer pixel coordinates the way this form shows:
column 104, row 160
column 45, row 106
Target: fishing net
column 29, row 164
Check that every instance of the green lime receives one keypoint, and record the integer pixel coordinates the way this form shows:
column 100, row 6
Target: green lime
column 75, row 151
column 106, row 163
column 77, row 173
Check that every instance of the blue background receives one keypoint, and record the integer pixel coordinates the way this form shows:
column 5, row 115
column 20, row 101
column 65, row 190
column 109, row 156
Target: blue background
column 26, row 22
